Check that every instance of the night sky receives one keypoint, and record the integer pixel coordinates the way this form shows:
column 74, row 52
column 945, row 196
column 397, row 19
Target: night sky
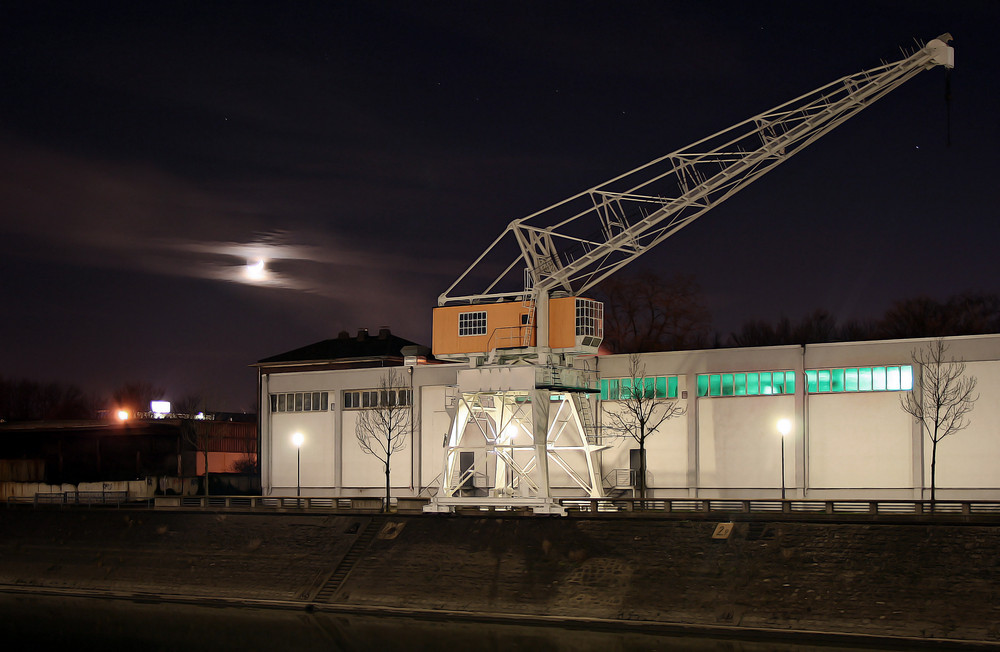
column 370, row 151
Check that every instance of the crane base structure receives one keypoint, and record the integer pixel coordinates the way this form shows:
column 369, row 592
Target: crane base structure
column 506, row 443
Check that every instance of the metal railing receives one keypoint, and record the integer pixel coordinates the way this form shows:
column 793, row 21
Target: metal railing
column 76, row 498
column 805, row 508
column 718, row 508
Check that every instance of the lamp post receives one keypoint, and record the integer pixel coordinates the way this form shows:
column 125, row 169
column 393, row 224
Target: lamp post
column 784, row 427
column 297, row 439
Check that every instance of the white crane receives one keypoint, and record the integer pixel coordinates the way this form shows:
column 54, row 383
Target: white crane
column 533, row 311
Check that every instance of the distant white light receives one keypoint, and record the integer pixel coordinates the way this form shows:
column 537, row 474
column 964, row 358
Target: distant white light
column 255, row 270
column 122, row 415
column 159, row 408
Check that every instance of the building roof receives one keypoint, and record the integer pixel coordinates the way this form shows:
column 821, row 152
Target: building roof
column 344, row 349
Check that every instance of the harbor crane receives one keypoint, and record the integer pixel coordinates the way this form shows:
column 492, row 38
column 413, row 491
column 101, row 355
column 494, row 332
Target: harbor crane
column 522, row 412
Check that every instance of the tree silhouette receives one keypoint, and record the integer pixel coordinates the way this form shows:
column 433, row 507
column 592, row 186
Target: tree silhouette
column 135, row 396
column 383, row 425
column 640, row 412
column 941, row 400
column 647, row 312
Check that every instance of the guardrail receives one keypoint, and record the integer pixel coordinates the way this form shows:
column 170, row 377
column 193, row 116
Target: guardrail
column 351, row 504
column 580, row 507
column 687, row 506
column 76, row 498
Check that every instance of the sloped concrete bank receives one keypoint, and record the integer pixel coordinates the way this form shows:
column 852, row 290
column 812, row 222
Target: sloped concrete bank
column 920, row 581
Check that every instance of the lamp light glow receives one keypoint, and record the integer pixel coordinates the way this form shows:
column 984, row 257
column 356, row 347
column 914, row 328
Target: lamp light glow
column 784, row 427
column 298, row 439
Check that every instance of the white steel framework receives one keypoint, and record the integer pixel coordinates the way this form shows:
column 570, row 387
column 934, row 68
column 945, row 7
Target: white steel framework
column 575, row 244
column 511, row 438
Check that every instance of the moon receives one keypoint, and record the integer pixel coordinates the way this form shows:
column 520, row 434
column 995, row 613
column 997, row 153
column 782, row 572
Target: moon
column 255, row 270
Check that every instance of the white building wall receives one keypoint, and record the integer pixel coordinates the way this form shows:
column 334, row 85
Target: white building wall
column 843, row 445
column 859, row 440
column 739, row 446
column 970, row 459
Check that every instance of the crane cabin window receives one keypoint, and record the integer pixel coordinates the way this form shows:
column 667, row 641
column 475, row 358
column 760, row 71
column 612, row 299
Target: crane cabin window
column 472, row 323
column 589, row 318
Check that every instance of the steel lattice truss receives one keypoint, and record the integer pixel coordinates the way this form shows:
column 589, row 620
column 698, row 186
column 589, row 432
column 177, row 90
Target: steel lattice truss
column 499, row 424
column 580, row 241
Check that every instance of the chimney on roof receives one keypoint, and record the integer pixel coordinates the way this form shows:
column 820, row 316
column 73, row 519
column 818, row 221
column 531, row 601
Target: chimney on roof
column 343, row 335
column 383, row 333
column 362, row 334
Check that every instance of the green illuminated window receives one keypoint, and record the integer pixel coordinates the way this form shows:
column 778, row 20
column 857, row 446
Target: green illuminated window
column 755, row 383
column 616, row 389
column 860, row 379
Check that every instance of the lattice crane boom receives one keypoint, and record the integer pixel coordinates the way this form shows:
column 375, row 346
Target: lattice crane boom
column 575, row 244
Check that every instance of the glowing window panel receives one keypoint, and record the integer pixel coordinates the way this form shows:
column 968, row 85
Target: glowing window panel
column 892, row 378
column 860, row 379
column 747, row 384
column 836, row 380
column 625, row 388
column 850, row 380
column 878, row 379
column 616, row 389
column 906, row 378
column 864, row 379
column 702, row 385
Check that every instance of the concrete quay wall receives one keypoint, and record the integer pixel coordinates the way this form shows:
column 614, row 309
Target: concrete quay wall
column 911, row 580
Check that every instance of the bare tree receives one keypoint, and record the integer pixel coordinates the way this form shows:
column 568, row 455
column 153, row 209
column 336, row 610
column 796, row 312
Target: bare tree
column 942, row 400
column 384, row 422
column 647, row 312
column 640, row 412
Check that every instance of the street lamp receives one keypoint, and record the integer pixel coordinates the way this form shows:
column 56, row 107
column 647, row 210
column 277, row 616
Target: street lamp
column 784, row 427
column 297, row 439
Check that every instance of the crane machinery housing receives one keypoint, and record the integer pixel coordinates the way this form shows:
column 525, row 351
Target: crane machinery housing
column 523, row 409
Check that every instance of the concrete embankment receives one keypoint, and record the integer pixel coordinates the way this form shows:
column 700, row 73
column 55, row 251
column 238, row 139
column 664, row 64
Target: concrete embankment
column 908, row 580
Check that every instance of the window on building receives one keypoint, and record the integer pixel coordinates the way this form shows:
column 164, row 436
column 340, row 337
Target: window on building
column 751, row 383
column 373, row 398
column 472, row 323
column 860, row 379
column 589, row 318
column 300, row 402
column 616, row 389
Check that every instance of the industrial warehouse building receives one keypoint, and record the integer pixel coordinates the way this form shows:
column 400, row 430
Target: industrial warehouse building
column 850, row 438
